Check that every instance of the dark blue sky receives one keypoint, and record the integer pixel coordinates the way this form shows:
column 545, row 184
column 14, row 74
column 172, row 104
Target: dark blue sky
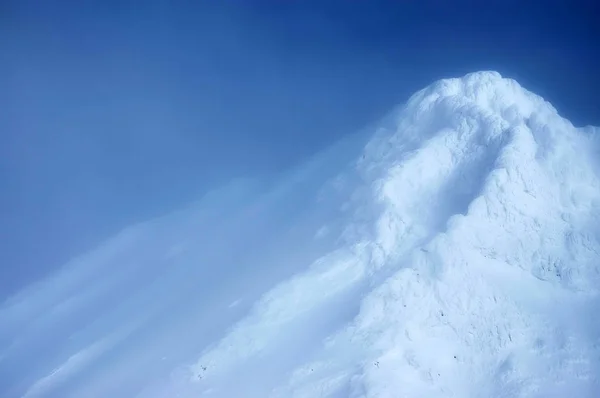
column 114, row 112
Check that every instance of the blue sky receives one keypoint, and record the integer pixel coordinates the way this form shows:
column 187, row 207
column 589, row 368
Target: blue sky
column 118, row 112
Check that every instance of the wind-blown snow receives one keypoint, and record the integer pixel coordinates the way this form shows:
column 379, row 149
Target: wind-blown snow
column 457, row 256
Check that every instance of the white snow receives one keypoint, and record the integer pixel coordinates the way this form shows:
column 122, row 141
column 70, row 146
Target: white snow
column 457, row 256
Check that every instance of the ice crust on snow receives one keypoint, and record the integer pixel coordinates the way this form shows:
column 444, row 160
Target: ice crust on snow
column 456, row 254
column 471, row 260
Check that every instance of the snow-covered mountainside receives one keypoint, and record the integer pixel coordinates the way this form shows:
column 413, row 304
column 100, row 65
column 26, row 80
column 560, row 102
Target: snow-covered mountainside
column 479, row 276
column 458, row 256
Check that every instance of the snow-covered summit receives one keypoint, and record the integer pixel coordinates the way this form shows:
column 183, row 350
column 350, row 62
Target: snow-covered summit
column 457, row 255
column 473, row 256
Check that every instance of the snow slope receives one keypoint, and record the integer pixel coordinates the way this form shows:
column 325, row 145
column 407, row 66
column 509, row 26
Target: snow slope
column 478, row 277
column 457, row 256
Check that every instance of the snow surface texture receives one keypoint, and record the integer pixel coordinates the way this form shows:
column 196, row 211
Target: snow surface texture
column 459, row 256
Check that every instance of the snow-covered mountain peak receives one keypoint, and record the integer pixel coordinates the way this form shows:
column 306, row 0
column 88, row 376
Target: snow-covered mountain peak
column 481, row 99
column 476, row 275
column 456, row 254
